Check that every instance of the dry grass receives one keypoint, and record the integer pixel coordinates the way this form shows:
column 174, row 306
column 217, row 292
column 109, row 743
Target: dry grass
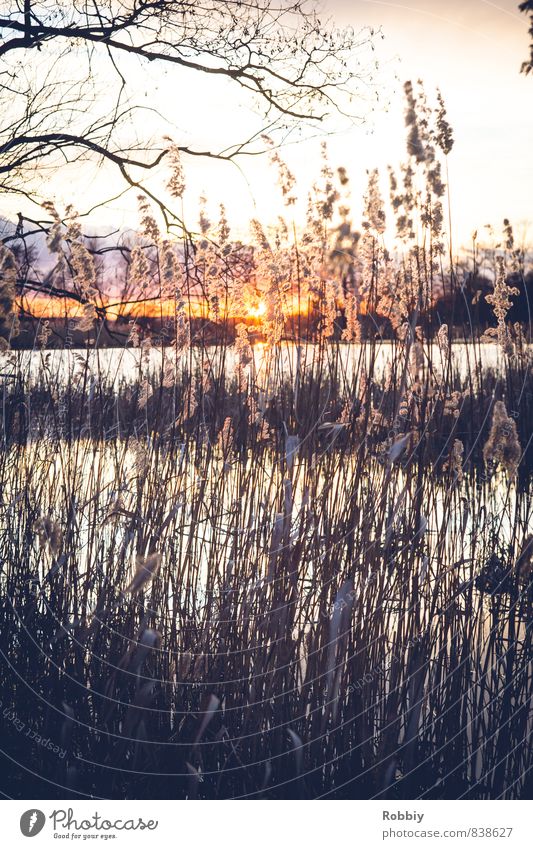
column 280, row 589
column 294, row 571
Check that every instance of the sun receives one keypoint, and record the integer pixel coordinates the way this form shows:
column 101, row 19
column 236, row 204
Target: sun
column 258, row 310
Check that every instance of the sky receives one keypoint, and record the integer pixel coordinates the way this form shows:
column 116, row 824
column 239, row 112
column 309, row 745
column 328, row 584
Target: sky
column 470, row 49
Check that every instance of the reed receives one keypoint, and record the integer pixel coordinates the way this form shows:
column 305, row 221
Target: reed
column 293, row 569
column 302, row 586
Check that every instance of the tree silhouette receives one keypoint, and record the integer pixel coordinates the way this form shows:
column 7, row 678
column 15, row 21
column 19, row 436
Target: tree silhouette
column 69, row 76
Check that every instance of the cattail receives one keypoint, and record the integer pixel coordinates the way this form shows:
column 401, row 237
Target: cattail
column 502, row 446
column 321, row 206
column 264, row 431
column 145, row 393
column 134, row 336
column 49, row 533
column 83, row 268
column 376, row 418
column 149, row 225
column 443, row 341
column 501, row 303
column 190, row 404
column 141, row 459
column 352, row 331
column 207, row 377
column 524, row 563
column 517, row 255
column 415, row 143
column 87, row 319
column 395, row 198
column 146, row 347
column 254, row 414
column 44, row 334
column 139, row 269
column 73, row 232
column 170, row 269
column 243, row 356
column 8, row 274
column 54, row 236
column 346, row 413
column 416, row 360
column 243, row 349
column 168, row 376
column 330, row 314
column 286, row 180
column 223, row 227
column 225, row 437
column 176, row 183
column 146, row 569
column 405, row 406
column 454, row 463
column 183, row 336
column 437, row 222
column 452, row 404
column 444, row 134
column 8, row 280
column 259, row 235
column 203, row 221
column 374, row 212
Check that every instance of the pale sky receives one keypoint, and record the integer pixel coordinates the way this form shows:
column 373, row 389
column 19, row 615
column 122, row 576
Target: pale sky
column 471, row 49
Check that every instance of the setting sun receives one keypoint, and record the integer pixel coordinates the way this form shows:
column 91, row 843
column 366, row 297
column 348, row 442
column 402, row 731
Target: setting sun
column 258, row 310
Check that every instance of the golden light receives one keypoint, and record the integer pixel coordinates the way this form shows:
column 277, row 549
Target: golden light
column 258, row 310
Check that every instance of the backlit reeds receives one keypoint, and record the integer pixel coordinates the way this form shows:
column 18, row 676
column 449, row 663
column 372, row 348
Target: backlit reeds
column 293, row 569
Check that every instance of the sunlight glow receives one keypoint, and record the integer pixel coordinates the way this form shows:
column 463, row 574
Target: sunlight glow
column 257, row 311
